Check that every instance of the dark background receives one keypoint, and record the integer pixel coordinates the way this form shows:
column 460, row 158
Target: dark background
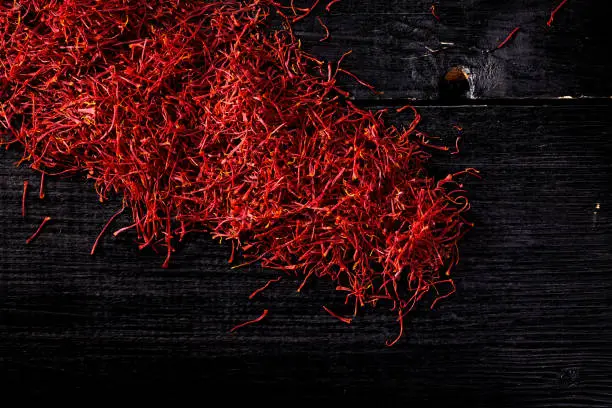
column 530, row 324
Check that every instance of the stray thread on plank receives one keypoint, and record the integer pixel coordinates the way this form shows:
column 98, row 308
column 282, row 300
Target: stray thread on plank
column 264, row 287
column 93, row 248
column 459, row 129
column 259, row 319
column 508, row 38
column 325, row 28
column 41, row 191
column 433, row 12
column 40, row 227
column 331, row 3
column 552, row 14
column 346, row 320
column 23, row 198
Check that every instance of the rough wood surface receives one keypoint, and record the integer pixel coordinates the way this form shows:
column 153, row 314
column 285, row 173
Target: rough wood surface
column 529, row 326
column 392, row 42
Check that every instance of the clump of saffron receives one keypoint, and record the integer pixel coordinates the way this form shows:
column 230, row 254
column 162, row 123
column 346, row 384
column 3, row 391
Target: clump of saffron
column 202, row 118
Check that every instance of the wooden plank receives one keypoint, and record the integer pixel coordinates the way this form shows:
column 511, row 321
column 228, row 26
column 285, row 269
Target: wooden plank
column 391, row 42
column 529, row 326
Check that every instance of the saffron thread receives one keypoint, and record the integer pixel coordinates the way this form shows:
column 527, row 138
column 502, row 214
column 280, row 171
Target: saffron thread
column 260, row 318
column 264, row 287
column 330, row 4
column 343, row 319
column 23, row 198
column 552, row 14
column 41, row 191
column 433, row 12
column 326, row 37
column 508, row 38
column 40, row 227
column 112, row 218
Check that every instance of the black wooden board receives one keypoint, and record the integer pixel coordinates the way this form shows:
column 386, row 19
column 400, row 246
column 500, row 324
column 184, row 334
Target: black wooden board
column 393, row 40
column 529, row 326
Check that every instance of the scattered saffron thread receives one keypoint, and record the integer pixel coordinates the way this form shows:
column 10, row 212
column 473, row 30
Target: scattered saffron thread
column 458, row 139
column 306, row 12
column 40, row 227
column 508, row 38
column 166, row 263
column 552, row 14
column 401, row 331
column 264, row 287
column 356, row 78
column 121, row 230
column 331, row 3
column 433, row 12
column 23, row 198
column 437, row 299
column 41, row 192
column 260, row 318
column 95, row 244
column 346, row 320
column 325, row 28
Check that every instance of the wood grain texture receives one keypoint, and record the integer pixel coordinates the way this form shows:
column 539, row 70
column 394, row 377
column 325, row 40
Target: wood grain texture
column 530, row 325
column 391, row 42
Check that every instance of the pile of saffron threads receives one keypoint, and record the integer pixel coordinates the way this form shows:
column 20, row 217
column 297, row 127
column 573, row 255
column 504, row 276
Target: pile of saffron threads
column 203, row 118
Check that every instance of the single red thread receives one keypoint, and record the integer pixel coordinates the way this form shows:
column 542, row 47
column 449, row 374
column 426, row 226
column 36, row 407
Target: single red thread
column 508, row 38
column 306, row 12
column 41, row 191
column 23, row 198
column 433, row 12
column 95, row 244
column 458, row 139
column 40, row 227
column 331, row 3
column 325, row 28
column 264, row 287
column 260, row 318
column 346, row 320
column 552, row 14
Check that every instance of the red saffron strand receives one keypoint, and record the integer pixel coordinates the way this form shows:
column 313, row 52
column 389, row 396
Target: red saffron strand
column 552, row 14
column 306, row 13
column 260, row 318
column 346, row 320
column 41, row 191
column 40, row 227
column 401, row 331
column 231, row 258
column 433, row 12
column 166, row 263
column 23, row 198
column 458, row 139
column 508, row 38
column 95, row 244
column 121, row 230
column 264, row 287
column 330, row 4
column 444, row 296
column 325, row 28
column 356, row 78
